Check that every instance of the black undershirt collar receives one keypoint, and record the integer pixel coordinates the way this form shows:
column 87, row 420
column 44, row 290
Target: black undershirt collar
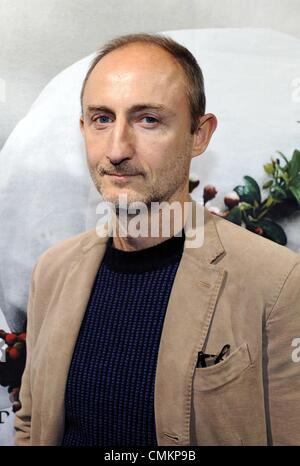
column 157, row 256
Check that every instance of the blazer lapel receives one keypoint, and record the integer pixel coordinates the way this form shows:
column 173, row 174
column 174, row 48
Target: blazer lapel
column 192, row 302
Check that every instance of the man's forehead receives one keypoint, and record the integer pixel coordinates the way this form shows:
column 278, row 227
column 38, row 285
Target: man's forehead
column 130, row 76
column 134, row 99
column 135, row 88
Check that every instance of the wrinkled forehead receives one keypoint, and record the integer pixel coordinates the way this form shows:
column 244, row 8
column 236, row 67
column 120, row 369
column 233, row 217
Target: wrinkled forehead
column 137, row 73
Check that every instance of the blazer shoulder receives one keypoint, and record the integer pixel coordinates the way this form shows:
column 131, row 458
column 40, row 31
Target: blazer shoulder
column 64, row 252
column 253, row 248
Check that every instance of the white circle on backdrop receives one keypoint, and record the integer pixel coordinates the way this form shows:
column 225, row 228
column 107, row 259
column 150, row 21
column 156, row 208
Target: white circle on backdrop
column 45, row 189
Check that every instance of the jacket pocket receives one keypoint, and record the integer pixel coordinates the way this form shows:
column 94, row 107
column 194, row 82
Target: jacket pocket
column 208, row 378
column 228, row 403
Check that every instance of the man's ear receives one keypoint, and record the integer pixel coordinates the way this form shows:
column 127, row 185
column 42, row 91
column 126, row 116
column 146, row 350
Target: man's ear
column 81, row 124
column 204, row 132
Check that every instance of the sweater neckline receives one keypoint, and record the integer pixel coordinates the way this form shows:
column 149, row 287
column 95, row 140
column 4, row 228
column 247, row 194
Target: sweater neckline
column 160, row 255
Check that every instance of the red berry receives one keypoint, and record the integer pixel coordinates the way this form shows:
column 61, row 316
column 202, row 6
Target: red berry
column 22, row 337
column 259, row 231
column 10, row 338
column 231, row 199
column 209, row 193
column 13, row 353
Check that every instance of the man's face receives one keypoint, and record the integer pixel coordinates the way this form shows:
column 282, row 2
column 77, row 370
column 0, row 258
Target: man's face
column 137, row 124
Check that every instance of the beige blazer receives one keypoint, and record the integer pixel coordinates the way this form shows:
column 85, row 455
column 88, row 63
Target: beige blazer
column 238, row 288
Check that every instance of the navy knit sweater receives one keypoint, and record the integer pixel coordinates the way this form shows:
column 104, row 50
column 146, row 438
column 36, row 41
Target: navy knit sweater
column 109, row 399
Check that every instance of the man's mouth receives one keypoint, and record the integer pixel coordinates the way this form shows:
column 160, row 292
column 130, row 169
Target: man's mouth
column 121, row 176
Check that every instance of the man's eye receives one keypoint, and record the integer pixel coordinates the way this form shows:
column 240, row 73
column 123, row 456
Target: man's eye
column 150, row 119
column 102, row 119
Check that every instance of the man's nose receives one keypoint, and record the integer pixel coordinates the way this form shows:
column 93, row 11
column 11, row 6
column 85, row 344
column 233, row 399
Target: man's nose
column 121, row 142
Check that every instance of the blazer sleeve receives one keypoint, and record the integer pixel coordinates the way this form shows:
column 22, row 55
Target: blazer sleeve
column 22, row 421
column 282, row 369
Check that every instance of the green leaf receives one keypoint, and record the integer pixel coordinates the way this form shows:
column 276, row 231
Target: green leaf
column 295, row 182
column 284, row 158
column 246, row 218
column 279, row 193
column 268, row 184
column 269, row 169
column 252, row 185
column 295, row 190
column 273, row 231
column 269, row 201
column 280, row 174
column 295, row 164
column 245, row 194
column 245, row 206
column 235, row 216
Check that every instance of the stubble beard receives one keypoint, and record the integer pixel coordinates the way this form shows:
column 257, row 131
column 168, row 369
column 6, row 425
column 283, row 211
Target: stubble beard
column 162, row 191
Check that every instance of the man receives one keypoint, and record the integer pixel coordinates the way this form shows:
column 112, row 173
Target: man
column 142, row 340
